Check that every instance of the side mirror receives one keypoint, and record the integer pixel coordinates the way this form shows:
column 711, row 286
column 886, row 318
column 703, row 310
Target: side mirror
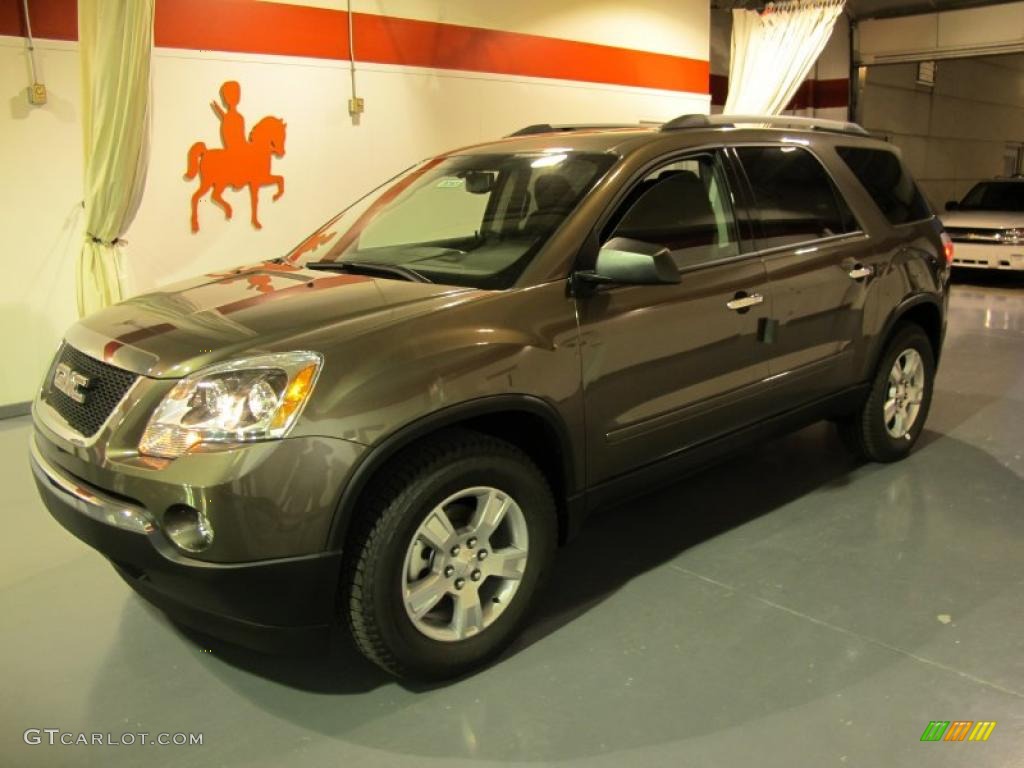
column 632, row 262
column 952, row 205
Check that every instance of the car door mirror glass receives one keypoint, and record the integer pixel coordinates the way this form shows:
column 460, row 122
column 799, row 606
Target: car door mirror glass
column 635, row 262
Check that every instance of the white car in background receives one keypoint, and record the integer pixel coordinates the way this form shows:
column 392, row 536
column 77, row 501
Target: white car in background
column 987, row 226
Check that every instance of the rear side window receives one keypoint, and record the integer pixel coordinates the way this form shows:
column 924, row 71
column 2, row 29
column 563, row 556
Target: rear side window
column 888, row 183
column 795, row 198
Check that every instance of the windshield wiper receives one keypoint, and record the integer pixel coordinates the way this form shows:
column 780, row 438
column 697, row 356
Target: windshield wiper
column 369, row 268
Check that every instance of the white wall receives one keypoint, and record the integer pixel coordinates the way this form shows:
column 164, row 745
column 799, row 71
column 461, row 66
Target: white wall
column 410, row 113
column 955, row 134
column 675, row 27
column 41, row 158
column 996, row 28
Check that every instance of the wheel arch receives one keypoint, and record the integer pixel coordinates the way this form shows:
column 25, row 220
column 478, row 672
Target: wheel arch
column 529, row 422
column 921, row 309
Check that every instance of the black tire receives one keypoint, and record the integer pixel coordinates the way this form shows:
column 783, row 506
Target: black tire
column 865, row 431
column 398, row 501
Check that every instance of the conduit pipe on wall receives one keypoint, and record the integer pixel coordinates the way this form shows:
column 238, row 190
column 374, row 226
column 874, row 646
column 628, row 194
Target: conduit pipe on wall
column 355, row 104
column 31, row 44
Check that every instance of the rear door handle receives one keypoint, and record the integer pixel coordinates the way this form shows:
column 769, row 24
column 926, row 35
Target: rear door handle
column 742, row 302
column 859, row 272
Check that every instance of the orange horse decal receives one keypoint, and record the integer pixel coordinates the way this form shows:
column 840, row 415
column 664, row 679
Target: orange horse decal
column 241, row 162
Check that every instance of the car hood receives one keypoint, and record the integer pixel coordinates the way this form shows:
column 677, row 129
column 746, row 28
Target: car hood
column 983, row 219
column 171, row 332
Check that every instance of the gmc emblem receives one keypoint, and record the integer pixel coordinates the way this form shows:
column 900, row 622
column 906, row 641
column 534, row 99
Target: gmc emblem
column 70, row 382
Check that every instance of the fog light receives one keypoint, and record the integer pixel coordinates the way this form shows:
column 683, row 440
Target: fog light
column 187, row 528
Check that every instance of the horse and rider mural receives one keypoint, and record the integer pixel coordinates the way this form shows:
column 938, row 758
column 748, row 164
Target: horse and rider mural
column 241, row 162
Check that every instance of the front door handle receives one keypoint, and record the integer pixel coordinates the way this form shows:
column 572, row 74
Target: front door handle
column 742, row 302
column 859, row 272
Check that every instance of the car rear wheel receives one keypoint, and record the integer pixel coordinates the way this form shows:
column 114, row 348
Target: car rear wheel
column 455, row 539
column 892, row 418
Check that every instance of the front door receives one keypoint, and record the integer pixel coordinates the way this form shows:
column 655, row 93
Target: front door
column 668, row 366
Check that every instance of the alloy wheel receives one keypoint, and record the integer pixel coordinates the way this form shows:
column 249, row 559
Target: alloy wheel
column 465, row 563
column 905, row 393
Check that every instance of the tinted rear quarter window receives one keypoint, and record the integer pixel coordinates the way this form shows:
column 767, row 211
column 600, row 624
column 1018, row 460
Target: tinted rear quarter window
column 795, row 198
column 887, row 181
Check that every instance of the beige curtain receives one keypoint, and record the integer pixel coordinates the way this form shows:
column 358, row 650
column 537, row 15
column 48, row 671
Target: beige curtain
column 116, row 41
column 773, row 51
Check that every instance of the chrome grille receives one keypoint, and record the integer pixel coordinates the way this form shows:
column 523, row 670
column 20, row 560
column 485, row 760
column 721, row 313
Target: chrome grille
column 974, row 235
column 107, row 387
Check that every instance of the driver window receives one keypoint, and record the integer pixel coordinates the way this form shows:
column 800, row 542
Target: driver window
column 684, row 206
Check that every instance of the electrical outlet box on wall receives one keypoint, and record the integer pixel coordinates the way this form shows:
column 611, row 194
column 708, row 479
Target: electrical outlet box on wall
column 37, row 94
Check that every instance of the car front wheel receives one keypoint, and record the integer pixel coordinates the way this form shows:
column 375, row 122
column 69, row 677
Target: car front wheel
column 455, row 539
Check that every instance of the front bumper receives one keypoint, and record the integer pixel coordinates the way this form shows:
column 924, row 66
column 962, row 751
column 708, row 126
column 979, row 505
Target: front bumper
column 272, row 605
column 988, row 255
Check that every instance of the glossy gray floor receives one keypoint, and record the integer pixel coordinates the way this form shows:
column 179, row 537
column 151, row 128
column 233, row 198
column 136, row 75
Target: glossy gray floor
column 787, row 608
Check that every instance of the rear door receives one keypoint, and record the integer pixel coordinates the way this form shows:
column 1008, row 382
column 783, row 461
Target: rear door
column 814, row 253
column 667, row 366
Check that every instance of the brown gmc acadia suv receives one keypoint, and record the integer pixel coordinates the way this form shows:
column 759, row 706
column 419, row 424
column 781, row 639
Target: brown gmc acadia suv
column 397, row 423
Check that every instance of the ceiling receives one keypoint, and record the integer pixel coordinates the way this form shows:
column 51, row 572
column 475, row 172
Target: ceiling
column 873, row 9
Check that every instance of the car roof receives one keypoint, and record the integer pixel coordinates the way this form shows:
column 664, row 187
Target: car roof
column 614, row 140
column 621, row 140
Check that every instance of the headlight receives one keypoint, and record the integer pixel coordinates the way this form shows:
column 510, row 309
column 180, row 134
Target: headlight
column 258, row 398
column 1013, row 236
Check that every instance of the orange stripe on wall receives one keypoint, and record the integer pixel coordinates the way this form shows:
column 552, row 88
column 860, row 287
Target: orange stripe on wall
column 390, row 40
column 246, row 26
column 820, row 94
column 812, row 94
column 51, row 19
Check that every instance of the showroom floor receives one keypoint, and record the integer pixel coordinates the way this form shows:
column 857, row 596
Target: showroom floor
column 787, row 608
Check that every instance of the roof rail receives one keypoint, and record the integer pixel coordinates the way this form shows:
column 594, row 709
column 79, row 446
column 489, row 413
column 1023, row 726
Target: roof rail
column 530, row 130
column 771, row 121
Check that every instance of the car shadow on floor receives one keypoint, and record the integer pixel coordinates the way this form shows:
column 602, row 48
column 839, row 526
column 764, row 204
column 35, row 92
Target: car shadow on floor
column 632, row 538
column 627, row 540
column 788, row 494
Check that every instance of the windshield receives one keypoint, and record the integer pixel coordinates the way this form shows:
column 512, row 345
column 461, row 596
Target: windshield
column 469, row 220
column 995, row 196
